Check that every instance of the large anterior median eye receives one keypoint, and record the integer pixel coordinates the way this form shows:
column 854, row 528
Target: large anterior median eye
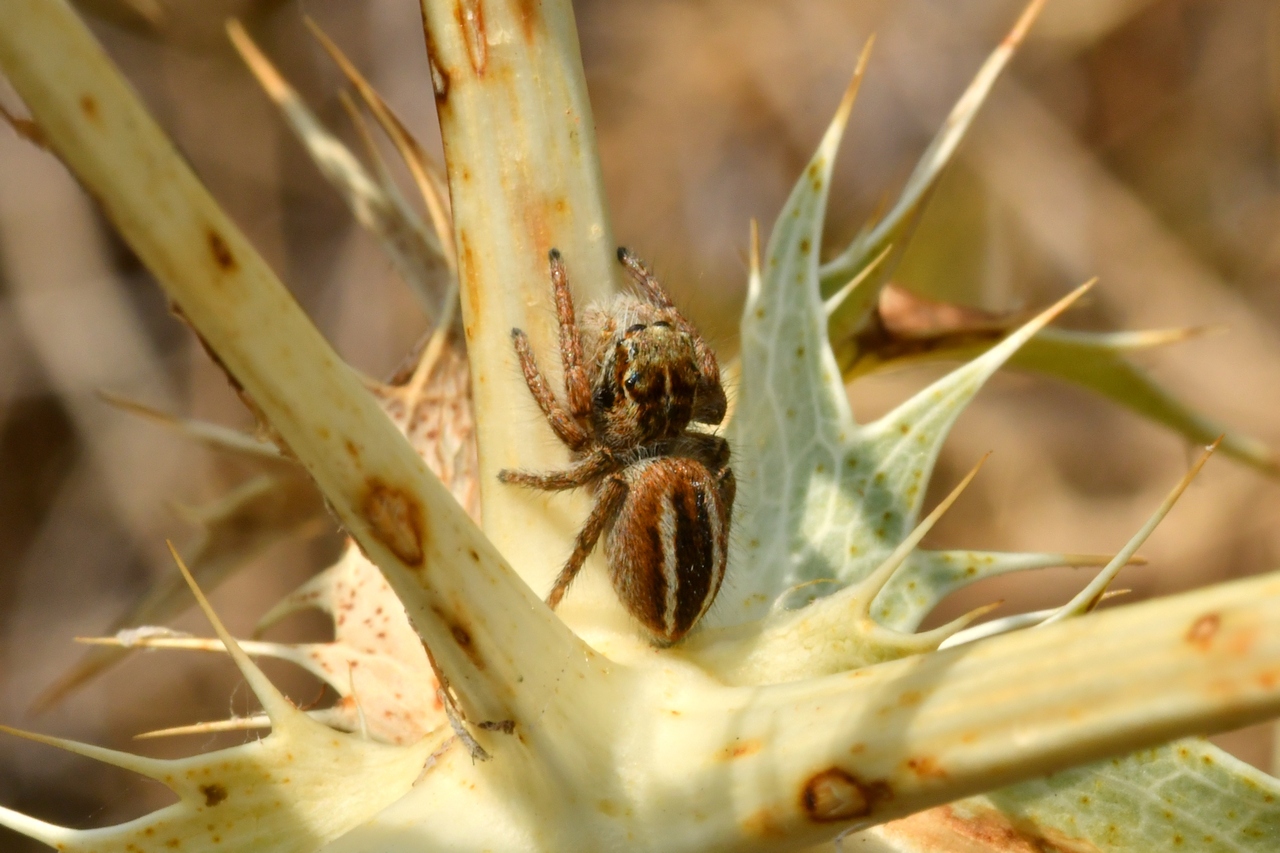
column 632, row 380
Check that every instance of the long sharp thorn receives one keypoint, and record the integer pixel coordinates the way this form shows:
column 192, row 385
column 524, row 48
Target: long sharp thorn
column 276, row 706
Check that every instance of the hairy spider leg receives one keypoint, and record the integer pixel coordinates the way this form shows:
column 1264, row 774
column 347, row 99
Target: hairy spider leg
column 584, row 472
column 609, row 501
column 563, row 423
column 710, row 403
column 576, row 385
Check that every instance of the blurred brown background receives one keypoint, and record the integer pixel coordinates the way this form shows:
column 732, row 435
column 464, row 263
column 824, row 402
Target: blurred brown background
column 1136, row 140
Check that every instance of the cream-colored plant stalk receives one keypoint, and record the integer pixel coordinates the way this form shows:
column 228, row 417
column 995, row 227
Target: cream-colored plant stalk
column 808, row 706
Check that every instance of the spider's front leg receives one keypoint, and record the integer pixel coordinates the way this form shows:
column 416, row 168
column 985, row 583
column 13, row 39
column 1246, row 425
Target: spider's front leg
column 576, row 385
column 566, row 423
column 609, row 501
column 563, row 424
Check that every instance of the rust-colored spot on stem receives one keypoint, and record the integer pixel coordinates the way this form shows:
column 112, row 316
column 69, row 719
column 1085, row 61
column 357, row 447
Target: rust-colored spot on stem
column 470, row 17
column 741, row 749
column 926, row 767
column 470, row 274
column 397, row 520
column 213, row 794
column 89, row 106
column 835, row 795
column 462, row 637
column 530, row 17
column 1203, row 630
column 221, row 252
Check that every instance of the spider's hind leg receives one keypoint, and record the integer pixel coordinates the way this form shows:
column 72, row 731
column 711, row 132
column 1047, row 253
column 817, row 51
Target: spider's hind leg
column 584, row 472
column 609, row 501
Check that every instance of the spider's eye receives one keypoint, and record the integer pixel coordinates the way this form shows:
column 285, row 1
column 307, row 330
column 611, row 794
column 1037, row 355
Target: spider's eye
column 631, row 381
column 635, row 327
column 661, row 324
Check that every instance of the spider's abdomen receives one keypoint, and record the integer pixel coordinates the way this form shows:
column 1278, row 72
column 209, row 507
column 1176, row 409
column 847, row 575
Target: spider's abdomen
column 668, row 545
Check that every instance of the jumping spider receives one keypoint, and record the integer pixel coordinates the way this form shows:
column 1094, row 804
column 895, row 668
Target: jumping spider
column 636, row 374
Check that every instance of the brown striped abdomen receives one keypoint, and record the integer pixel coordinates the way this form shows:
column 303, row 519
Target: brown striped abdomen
column 668, row 545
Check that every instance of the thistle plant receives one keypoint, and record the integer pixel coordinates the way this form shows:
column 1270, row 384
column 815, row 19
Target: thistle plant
column 808, row 707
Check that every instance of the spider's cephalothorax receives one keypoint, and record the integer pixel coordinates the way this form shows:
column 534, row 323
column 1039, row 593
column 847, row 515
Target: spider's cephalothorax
column 636, row 375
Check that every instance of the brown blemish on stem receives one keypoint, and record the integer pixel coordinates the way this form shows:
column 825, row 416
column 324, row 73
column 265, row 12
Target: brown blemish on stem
column 835, row 795
column 461, row 636
column 396, row 519
column 89, row 106
column 470, row 17
column 213, row 794
column 741, row 749
column 221, row 252
column 539, row 212
column 530, row 17
column 926, row 767
column 1203, row 630
column 470, row 275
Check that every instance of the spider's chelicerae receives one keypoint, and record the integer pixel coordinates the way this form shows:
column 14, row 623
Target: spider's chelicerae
column 636, row 373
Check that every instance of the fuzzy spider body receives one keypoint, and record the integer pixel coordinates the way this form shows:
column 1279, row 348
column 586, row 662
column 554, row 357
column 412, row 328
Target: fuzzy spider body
column 636, row 375
column 668, row 573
